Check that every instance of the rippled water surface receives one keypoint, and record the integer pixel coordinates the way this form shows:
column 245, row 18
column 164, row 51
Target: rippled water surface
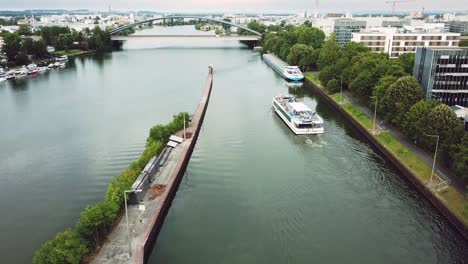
column 253, row 192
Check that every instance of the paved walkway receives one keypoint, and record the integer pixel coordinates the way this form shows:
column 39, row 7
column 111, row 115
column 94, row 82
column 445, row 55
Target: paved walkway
column 116, row 247
column 440, row 169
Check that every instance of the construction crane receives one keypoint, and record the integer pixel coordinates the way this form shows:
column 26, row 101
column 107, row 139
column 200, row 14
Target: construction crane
column 397, row 1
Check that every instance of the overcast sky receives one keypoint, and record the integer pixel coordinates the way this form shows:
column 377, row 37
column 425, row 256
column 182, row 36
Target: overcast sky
column 233, row 5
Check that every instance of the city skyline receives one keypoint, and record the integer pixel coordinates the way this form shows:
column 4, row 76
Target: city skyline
column 235, row 6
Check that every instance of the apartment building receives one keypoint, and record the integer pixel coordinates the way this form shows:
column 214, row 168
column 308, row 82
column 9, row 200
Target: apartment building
column 443, row 74
column 395, row 41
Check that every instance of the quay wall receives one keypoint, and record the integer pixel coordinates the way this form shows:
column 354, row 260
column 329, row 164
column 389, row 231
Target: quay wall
column 146, row 241
column 432, row 197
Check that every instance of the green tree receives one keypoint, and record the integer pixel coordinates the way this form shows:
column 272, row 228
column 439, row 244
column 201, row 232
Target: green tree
column 362, row 85
column 326, row 74
column 66, row 248
column 379, row 91
column 24, row 30
column 254, row 25
column 21, row 58
column 443, row 122
column 365, row 71
column 301, row 55
column 39, row 49
column 333, row 86
column 95, row 221
column 64, row 41
column 352, row 49
column 407, row 62
column 329, row 53
column 416, row 121
column 11, row 45
column 310, row 36
column 460, row 158
column 27, row 46
column 400, row 96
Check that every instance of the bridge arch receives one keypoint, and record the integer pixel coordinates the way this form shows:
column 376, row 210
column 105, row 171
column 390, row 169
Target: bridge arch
column 122, row 28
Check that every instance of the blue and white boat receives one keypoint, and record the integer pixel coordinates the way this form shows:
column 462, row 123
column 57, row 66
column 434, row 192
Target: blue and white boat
column 291, row 73
column 298, row 116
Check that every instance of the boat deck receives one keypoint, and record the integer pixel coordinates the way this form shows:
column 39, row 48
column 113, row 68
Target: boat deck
column 272, row 57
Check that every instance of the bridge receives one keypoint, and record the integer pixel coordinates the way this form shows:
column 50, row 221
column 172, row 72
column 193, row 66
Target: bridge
column 197, row 37
column 122, row 28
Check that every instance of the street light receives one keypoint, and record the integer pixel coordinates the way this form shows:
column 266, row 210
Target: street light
column 126, row 219
column 435, row 156
column 375, row 115
column 341, row 89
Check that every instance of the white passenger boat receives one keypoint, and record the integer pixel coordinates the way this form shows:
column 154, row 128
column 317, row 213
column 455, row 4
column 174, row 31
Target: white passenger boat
column 291, row 73
column 299, row 118
column 50, row 66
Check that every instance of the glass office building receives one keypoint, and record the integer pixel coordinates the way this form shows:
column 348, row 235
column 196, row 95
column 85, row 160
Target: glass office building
column 443, row 74
column 344, row 28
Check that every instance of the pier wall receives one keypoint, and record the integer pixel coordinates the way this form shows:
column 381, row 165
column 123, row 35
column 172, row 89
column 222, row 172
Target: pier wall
column 432, row 197
column 146, row 241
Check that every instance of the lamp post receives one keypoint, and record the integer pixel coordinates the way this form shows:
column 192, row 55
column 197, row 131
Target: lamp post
column 184, row 127
column 435, row 156
column 375, row 115
column 341, row 89
column 126, row 219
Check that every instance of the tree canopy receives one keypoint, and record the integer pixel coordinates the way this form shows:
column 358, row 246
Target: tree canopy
column 399, row 97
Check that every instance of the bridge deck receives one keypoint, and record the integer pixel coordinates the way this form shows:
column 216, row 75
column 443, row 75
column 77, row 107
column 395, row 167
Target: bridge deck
column 236, row 37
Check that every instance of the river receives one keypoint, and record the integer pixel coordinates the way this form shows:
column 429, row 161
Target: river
column 253, row 192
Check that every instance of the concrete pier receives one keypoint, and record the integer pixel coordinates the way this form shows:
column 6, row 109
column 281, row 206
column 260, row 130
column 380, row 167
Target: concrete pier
column 146, row 219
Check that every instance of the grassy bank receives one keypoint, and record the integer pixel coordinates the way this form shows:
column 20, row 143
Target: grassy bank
column 455, row 201
column 73, row 52
column 96, row 221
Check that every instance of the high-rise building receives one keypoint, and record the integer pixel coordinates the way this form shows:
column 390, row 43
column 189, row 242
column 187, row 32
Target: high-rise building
column 443, row 74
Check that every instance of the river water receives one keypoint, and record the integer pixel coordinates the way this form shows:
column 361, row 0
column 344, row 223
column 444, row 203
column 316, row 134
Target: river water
column 253, row 192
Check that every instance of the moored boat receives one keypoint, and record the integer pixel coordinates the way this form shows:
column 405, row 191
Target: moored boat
column 291, row 73
column 61, row 58
column 2, row 79
column 297, row 116
column 21, row 72
column 42, row 69
column 10, row 75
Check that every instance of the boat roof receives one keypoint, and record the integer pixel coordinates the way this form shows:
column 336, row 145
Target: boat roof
column 292, row 67
column 299, row 107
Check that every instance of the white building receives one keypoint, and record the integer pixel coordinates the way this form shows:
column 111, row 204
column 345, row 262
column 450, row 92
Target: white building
column 395, row 41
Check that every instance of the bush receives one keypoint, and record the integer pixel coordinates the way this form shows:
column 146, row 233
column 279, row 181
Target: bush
column 65, row 247
column 333, row 86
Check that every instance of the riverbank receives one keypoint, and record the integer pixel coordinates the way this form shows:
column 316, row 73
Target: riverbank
column 74, row 52
column 450, row 202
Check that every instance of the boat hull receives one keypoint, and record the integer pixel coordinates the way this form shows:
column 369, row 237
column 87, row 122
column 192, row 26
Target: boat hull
column 295, row 130
column 281, row 71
